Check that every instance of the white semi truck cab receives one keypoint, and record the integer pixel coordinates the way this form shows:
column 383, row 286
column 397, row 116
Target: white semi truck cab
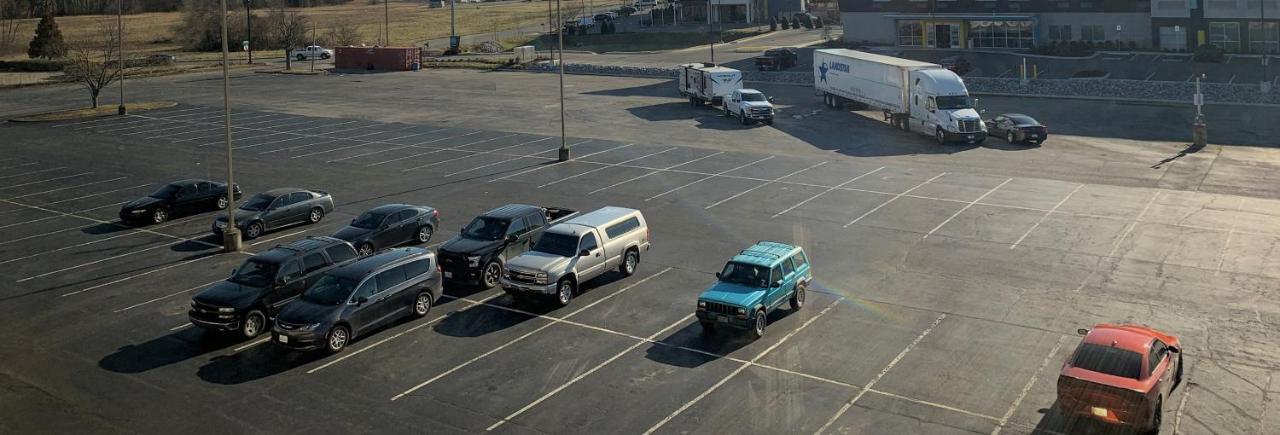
column 941, row 107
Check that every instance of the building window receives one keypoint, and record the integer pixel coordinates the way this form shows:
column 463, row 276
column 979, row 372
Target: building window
column 1264, row 38
column 1173, row 38
column 1000, row 34
column 1060, row 33
column 1092, row 33
column 1225, row 36
column 910, row 34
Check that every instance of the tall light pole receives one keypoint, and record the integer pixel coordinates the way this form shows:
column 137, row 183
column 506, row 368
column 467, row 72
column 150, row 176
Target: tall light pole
column 1264, row 85
column 120, row 40
column 230, row 234
column 386, row 22
column 564, row 143
column 248, row 25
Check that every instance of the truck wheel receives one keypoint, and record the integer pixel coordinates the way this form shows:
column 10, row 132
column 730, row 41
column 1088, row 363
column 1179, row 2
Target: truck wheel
column 365, row 249
column 727, row 113
column 422, row 304
column 564, row 292
column 797, row 298
column 1156, row 418
column 253, row 231
column 253, row 324
column 489, row 277
column 629, row 263
column 159, row 215
column 1009, row 137
column 942, row 137
column 745, row 120
column 757, row 330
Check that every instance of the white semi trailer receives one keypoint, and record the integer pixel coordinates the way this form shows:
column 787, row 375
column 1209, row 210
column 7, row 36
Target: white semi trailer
column 915, row 96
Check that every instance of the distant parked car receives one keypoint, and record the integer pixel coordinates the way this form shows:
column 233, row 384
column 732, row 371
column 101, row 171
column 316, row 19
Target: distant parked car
column 276, row 209
column 359, row 297
column 178, row 198
column 390, row 225
column 162, row 59
column 1017, row 128
column 311, row 52
column 956, row 64
column 626, row 10
column 753, row 284
column 1121, row 374
column 777, row 59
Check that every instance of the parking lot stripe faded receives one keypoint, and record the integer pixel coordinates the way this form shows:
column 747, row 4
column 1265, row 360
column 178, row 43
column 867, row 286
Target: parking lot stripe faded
column 607, row 166
column 512, row 159
column 707, row 178
column 100, row 260
column 740, row 368
column 892, row 199
column 1134, row 223
column 1004, row 420
column 5, row 168
column 131, row 230
column 763, row 184
column 884, row 371
column 366, row 143
column 1045, row 216
column 473, row 154
column 829, row 189
column 60, row 201
column 180, row 327
column 32, row 172
column 654, row 171
column 433, row 150
column 527, row 335
column 64, row 177
column 558, row 162
column 120, row 280
column 606, row 362
column 966, row 207
column 458, row 148
column 66, row 188
column 156, row 299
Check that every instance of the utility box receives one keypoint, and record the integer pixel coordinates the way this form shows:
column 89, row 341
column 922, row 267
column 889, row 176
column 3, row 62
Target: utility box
column 525, row 54
column 376, row 58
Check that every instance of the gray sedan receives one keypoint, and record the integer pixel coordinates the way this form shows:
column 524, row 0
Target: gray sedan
column 277, row 208
column 390, row 225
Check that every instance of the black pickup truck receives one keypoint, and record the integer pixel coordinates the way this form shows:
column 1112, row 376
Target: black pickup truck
column 477, row 253
column 777, row 59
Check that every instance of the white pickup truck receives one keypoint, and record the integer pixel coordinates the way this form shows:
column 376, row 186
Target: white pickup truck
column 573, row 252
column 750, row 105
column 311, row 52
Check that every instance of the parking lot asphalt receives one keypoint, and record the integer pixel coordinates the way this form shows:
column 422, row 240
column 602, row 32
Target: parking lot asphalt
column 944, row 299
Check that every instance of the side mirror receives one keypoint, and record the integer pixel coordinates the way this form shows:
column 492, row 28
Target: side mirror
column 462, row 230
column 584, row 253
column 361, row 300
column 1082, row 331
column 777, row 283
column 770, row 99
column 512, row 238
column 717, row 275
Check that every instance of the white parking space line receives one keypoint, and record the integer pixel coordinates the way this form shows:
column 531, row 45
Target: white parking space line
column 1149, row 76
column 539, row 168
column 7, row 241
column 966, row 207
column 512, row 159
column 298, row 147
column 259, row 242
column 473, row 154
column 130, row 229
column 829, row 189
column 130, row 125
column 233, row 138
column 1230, row 232
column 156, row 299
column 402, row 333
column 892, row 199
column 180, row 327
column 60, row 201
column 32, row 172
column 67, row 188
column 606, row 362
column 884, row 371
column 5, row 168
column 655, row 171
column 436, row 150
column 100, row 260
column 276, row 117
column 29, row 221
column 527, row 335
column 762, row 185
column 1134, row 223
column 1027, row 388
column 1232, row 79
column 1045, row 216
column 252, row 344
column 180, row 125
column 64, row 177
column 706, row 178
column 355, row 146
column 740, row 368
column 120, row 280
column 7, row 212
column 601, row 168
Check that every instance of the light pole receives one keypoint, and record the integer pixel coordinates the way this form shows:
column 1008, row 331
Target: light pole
column 230, row 234
column 313, row 44
column 1199, row 130
column 1265, row 85
column 564, row 143
column 248, row 25
column 120, row 40
column 386, row 22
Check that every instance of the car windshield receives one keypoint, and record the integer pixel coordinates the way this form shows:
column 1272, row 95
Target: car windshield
column 254, row 273
column 563, row 245
column 953, row 102
column 485, row 228
column 258, row 202
column 753, row 97
column 330, row 290
column 1023, row 120
column 166, row 192
column 368, row 220
column 745, row 274
column 1109, row 360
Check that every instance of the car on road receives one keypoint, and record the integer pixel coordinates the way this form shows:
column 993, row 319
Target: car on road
column 753, row 284
column 750, row 106
column 1121, row 374
column 956, row 64
column 253, row 295
column 359, row 297
column 477, row 254
column 777, row 59
column 390, row 225
column 277, row 208
column 1017, row 128
column 179, row 198
column 311, row 52
column 577, row 250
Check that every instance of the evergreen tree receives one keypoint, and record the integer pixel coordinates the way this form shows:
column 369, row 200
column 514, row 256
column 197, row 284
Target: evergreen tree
column 48, row 41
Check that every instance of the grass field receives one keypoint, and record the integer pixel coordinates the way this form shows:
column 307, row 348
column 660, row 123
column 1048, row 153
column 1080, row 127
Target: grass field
column 624, row 42
column 411, row 23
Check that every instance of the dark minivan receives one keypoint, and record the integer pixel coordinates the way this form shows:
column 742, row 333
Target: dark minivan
column 264, row 283
column 359, row 297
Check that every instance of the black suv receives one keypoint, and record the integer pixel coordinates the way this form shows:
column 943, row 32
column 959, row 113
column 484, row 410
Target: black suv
column 476, row 255
column 359, row 297
column 257, row 290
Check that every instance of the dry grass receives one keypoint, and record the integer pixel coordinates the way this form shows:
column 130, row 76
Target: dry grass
column 411, row 23
column 101, row 110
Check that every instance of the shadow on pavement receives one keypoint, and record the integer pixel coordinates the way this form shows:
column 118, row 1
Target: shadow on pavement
column 254, row 363
column 170, row 349
column 691, row 347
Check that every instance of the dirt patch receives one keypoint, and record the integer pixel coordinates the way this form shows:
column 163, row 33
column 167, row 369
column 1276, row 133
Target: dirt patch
column 103, row 110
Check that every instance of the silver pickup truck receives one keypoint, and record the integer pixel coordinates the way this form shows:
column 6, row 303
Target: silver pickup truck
column 575, row 251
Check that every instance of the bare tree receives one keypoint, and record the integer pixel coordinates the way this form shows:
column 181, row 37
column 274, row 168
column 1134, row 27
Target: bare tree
column 93, row 60
column 342, row 32
column 288, row 30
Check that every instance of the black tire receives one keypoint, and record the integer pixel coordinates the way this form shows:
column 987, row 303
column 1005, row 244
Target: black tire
column 797, row 298
column 940, row 136
column 315, row 215
column 490, row 274
column 159, row 215
column 365, row 249
column 253, row 325
column 1177, row 376
column 745, row 120
column 422, row 304
column 424, row 234
column 761, row 321
column 727, row 113
column 629, row 262
column 564, row 291
column 324, row 56
column 221, row 203
column 693, row 101
column 337, row 339
column 253, row 231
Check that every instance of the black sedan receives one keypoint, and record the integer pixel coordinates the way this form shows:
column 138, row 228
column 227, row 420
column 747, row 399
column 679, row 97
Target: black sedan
column 178, row 198
column 277, row 208
column 1017, row 128
column 390, row 225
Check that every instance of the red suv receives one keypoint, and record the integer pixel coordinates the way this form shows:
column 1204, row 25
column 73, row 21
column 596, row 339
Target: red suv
column 1121, row 374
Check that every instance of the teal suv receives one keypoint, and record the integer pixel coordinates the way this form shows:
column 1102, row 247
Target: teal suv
column 753, row 284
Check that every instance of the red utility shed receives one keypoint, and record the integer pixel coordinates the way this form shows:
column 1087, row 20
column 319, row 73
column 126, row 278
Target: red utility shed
column 376, row 58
